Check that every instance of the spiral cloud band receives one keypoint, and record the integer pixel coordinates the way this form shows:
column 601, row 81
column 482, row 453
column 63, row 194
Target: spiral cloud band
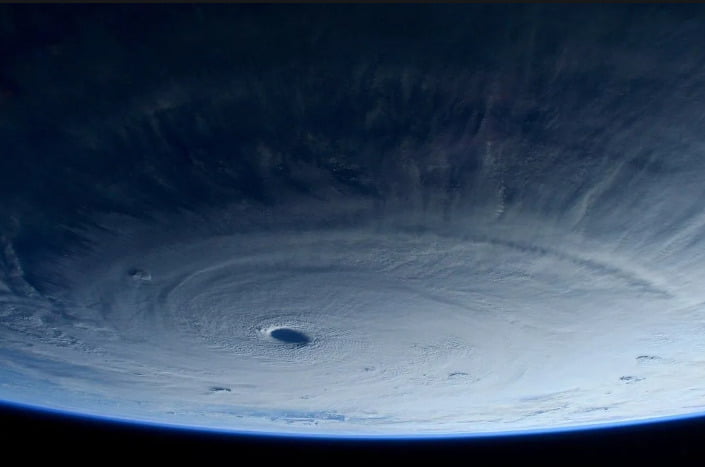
column 493, row 331
column 470, row 220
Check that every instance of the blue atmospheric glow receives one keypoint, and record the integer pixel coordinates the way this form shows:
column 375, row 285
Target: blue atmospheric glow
column 587, row 428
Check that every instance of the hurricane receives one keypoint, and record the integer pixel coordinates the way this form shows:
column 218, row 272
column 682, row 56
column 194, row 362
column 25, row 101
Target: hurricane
column 353, row 220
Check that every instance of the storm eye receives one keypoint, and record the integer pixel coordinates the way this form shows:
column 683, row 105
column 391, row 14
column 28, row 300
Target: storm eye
column 290, row 336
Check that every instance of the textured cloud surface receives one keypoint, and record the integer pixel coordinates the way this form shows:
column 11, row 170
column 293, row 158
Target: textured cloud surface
column 353, row 220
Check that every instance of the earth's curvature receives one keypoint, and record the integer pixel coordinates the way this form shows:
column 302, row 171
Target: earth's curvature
column 340, row 220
